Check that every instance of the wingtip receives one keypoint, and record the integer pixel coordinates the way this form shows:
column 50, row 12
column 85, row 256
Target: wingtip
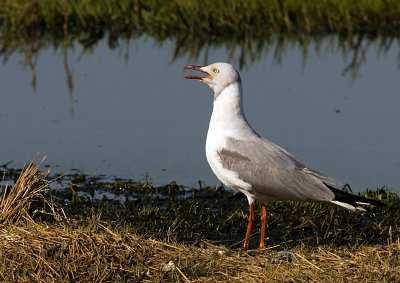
column 348, row 206
column 350, row 201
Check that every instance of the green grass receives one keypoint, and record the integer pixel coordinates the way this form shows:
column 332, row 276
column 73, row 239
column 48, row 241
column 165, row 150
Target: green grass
column 173, row 213
column 216, row 17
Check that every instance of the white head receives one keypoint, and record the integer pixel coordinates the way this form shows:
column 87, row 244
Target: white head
column 220, row 75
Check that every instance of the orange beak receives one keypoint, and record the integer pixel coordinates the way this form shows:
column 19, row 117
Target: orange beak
column 197, row 68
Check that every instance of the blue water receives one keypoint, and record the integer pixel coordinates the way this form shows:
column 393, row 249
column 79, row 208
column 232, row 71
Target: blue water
column 129, row 117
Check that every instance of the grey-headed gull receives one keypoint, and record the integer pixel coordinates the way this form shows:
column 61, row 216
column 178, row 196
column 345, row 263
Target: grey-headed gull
column 250, row 164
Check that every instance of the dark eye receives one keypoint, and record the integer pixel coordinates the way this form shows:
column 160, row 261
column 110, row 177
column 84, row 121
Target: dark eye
column 216, row 71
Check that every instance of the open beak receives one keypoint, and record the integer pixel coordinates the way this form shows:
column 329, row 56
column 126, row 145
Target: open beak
column 197, row 68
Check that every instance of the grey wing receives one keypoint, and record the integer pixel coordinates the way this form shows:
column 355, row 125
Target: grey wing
column 273, row 172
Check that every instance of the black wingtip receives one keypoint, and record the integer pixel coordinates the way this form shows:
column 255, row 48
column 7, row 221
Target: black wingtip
column 351, row 199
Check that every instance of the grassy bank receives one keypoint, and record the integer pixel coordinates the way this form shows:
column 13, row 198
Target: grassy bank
column 172, row 233
column 91, row 252
column 214, row 17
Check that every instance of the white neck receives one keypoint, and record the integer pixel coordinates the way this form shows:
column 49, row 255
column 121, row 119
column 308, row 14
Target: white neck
column 227, row 117
column 229, row 99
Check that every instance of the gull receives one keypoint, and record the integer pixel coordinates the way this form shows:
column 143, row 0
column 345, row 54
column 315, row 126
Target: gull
column 244, row 161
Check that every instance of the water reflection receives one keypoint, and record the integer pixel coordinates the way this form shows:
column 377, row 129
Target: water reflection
column 243, row 50
column 139, row 117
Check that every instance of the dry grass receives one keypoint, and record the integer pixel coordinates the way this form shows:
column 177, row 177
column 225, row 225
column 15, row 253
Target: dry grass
column 25, row 199
column 74, row 253
column 47, row 249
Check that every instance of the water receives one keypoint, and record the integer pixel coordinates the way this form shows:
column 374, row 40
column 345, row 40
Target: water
column 129, row 117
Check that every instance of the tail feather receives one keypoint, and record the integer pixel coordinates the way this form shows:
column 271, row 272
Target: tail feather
column 351, row 201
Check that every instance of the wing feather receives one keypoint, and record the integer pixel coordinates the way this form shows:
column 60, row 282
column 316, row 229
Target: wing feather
column 273, row 172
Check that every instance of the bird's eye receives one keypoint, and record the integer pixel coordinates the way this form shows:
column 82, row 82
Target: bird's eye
column 216, row 71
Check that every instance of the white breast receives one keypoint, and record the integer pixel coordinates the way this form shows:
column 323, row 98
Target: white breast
column 227, row 121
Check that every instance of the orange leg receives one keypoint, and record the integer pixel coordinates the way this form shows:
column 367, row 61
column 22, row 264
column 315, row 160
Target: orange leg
column 263, row 222
column 251, row 220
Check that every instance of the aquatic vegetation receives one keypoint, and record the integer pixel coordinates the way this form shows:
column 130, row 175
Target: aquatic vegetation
column 174, row 233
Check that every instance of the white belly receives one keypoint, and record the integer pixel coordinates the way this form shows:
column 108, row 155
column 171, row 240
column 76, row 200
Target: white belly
column 229, row 178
